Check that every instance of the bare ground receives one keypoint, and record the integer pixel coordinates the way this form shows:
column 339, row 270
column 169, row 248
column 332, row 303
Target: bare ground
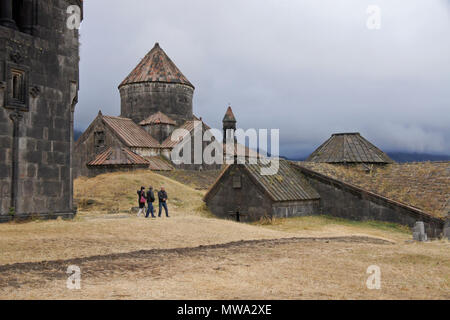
column 295, row 268
column 195, row 256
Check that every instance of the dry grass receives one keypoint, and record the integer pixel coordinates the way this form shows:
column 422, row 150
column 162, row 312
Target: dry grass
column 116, row 192
column 264, row 270
column 200, row 180
column 425, row 185
column 323, row 225
column 283, row 269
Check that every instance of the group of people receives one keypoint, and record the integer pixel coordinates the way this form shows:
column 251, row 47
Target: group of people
column 148, row 198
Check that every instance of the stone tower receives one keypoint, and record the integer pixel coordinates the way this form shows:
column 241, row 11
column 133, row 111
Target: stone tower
column 156, row 85
column 38, row 92
column 229, row 125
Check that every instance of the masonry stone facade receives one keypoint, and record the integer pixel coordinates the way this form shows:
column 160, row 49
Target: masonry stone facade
column 349, row 202
column 140, row 100
column 39, row 59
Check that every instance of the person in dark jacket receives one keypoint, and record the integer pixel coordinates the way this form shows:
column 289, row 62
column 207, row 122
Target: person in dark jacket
column 162, row 197
column 150, row 200
column 141, row 201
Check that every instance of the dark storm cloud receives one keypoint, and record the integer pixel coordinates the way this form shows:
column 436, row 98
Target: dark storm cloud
column 308, row 67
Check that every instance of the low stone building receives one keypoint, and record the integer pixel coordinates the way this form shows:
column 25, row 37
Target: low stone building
column 349, row 178
column 242, row 188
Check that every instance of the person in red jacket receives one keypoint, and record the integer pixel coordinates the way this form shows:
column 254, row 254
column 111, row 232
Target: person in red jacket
column 141, row 200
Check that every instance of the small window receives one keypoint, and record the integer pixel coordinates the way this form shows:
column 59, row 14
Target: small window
column 237, row 183
column 18, row 87
column 99, row 139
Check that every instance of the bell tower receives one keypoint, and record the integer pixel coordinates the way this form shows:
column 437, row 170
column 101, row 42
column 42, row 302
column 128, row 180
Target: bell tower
column 229, row 126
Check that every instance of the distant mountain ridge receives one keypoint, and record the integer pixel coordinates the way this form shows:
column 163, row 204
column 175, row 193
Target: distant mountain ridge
column 401, row 157
column 396, row 156
column 417, row 157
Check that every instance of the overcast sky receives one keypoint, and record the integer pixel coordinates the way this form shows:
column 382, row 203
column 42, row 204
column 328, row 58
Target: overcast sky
column 308, row 67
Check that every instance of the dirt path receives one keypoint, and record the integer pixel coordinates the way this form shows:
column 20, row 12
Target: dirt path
column 291, row 268
column 148, row 254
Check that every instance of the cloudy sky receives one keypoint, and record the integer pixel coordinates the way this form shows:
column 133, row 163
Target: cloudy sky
column 308, row 67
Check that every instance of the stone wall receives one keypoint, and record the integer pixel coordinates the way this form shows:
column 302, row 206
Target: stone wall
column 249, row 198
column 295, row 209
column 350, row 202
column 196, row 135
column 159, row 131
column 35, row 168
column 140, row 100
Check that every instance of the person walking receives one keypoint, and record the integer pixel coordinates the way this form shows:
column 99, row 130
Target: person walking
column 162, row 197
column 150, row 200
column 141, row 201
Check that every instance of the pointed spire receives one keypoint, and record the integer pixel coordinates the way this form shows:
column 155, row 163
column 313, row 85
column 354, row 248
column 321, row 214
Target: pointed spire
column 100, row 113
column 156, row 66
column 229, row 116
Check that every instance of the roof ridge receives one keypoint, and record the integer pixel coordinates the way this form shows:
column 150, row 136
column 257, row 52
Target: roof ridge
column 156, row 66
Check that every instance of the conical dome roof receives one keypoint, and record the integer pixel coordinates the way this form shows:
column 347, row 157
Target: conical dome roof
column 348, row 148
column 156, row 66
column 229, row 116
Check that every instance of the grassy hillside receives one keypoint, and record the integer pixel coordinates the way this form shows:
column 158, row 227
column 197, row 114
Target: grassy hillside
column 116, row 192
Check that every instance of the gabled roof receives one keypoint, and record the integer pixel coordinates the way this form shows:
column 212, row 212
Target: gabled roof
column 189, row 126
column 348, row 148
column 157, row 118
column 117, row 156
column 130, row 133
column 288, row 184
column 229, row 116
column 158, row 163
column 156, row 66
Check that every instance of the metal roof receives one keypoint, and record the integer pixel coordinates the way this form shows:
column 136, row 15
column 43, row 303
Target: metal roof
column 348, row 148
column 156, row 66
column 117, row 156
column 130, row 133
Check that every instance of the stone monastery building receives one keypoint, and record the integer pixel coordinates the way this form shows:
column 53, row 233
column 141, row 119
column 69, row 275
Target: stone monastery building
column 156, row 99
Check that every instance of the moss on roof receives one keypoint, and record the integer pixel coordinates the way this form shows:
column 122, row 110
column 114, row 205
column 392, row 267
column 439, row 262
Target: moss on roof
column 424, row 185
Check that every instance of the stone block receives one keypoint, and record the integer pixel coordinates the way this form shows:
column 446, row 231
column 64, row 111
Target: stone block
column 419, row 232
column 447, row 228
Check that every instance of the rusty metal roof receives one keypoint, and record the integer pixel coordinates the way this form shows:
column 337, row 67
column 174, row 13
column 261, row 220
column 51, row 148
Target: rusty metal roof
column 130, row 133
column 157, row 118
column 158, row 163
column 348, row 148
column 156, row 66
column 117, row 156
